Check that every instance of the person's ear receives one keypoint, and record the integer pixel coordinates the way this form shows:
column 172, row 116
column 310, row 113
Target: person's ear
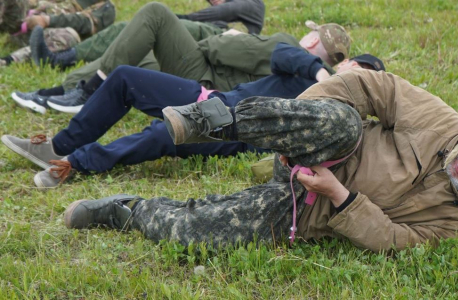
column 313, row 42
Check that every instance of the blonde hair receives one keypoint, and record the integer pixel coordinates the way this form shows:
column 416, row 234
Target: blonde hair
column 451, row 156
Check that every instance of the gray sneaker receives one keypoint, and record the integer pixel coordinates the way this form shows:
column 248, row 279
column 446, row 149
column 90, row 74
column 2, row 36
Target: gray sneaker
column 38, row 149
column 194, row 122
column 58, row 172
column 109, row 211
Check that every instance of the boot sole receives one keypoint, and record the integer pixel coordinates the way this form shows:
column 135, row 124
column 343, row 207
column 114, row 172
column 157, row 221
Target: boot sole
column 174, row 125
column 29, row 104
column 69, row 212
column 24, row 153
column 65, row 109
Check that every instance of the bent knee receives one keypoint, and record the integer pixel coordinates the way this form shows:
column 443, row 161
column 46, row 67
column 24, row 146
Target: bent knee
column 155, row 8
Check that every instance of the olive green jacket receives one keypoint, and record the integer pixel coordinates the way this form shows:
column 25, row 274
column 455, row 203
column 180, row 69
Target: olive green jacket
column 234, row 59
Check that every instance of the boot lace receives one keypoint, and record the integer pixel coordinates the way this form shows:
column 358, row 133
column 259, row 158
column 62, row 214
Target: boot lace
column 61, row 170
column 201, row 123
column 38, row 139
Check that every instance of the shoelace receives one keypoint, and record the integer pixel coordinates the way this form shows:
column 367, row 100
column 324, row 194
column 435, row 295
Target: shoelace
column 311, row 196
column 200, row 119
column 62, row 169
column 38, row 139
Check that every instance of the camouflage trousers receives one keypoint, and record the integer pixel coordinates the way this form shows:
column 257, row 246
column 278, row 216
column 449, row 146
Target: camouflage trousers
column 309, row 131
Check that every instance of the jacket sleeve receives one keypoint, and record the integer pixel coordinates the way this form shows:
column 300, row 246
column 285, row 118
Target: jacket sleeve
column 248, row 12
column 366, row 226
column 386, row 96
column 287, row 59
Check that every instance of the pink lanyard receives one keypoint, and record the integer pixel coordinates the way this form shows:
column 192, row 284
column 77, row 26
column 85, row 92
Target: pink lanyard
column 311, row 196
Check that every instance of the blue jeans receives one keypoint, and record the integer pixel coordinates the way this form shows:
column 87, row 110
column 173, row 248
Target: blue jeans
column 148, row 91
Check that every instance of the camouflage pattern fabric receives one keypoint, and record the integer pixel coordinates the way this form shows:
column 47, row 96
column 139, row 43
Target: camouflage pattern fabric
column 263, row 211
column 309, row 131
column 12, row 12
column 57, row 39
column 87, row 21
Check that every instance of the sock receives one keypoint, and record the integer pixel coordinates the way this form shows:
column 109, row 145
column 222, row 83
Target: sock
column 9, row 59
column 93, row 84
column 55, row 91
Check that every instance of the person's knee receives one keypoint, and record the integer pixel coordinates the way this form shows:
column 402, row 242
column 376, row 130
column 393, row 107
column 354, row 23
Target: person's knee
column 155, row 8
column 123, row 71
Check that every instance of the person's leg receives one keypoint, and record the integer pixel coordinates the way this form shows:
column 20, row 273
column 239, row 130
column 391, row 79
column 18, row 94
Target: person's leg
column 263, row 211
column 148, row 91
column 310, row 132
column 152, row 143
column 156, row 28
column 91, row 20
column 88, row 71
column 95, row 46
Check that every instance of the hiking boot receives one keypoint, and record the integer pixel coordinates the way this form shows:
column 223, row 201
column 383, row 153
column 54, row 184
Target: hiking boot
column 57, row 173
column 71, row 102
column 38, row 149
column 32, row 101
column 41, row 54
column 194, row 122
column 109, row 211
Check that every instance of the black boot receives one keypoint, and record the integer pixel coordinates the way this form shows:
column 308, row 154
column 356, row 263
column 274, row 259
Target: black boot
column 42, row 55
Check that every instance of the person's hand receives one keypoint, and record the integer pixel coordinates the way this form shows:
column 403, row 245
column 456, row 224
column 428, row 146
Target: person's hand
column 325, row 183
column 216, row 2
column 233, row 32
column 322, row 74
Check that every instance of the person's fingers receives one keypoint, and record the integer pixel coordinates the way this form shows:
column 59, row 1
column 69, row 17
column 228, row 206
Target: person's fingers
column 318, row 169
column 305, row 178
column 283, row 160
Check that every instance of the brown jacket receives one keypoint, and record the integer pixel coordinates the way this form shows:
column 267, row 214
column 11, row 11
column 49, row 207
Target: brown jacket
column 404, row 196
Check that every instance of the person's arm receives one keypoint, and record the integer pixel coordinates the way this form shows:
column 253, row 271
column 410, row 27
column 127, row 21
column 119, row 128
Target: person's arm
column 366, row 226
column 364, row 223
column 388, row 97
column 250, row 13
column 287, row 59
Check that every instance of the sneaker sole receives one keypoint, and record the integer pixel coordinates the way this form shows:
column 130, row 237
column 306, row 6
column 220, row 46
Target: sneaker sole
column 40, row 183
column 28, row 104
column 174, row 125
column 69, row 211
column 65, row 109
column 24, row 153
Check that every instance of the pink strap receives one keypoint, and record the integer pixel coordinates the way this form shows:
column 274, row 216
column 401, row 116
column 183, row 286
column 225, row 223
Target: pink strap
column 23, row 29
column 311, row 196
column 204, row 94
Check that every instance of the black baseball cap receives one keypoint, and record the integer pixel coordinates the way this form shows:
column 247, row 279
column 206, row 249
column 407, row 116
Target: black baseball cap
column 371, row 60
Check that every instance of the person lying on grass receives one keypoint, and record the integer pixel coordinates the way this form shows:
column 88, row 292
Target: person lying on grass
column 75, row 148
column 217, row 62
column 391, row 183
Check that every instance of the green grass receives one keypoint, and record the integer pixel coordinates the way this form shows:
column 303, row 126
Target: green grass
column 41, row 259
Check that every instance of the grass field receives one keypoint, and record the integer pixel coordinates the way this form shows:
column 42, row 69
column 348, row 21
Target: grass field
column 41, row 259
